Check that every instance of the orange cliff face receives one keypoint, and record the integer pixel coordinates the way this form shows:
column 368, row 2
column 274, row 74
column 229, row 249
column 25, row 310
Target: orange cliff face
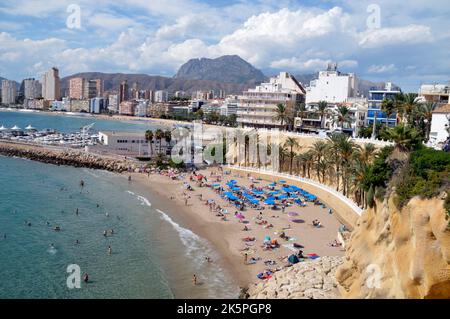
column 398, row 253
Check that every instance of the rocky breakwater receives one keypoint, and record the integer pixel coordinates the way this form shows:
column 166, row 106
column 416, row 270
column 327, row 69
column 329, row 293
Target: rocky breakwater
column 398, row 253
column 305, row 280
column 67, row 157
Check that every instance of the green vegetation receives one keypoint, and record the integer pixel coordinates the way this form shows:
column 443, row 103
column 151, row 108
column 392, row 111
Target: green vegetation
column 426, row 175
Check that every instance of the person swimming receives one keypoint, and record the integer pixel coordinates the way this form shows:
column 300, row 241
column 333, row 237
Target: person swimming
column 86, row 278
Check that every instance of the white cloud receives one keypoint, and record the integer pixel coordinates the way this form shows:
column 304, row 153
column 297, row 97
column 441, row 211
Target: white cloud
column 411, row 34
column 382, row 68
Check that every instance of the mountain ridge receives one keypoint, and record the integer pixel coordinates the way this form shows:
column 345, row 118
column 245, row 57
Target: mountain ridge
column 226, row 68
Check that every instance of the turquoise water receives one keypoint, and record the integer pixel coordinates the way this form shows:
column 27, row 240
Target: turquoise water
column 68, row 123
column 152, row 255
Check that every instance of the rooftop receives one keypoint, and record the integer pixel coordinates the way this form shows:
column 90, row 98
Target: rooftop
column 442, row 109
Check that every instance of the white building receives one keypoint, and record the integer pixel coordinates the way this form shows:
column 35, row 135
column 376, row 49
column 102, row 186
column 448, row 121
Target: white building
column 142, row 108
column 161, row 96
column 9, row 92
column 113, row 103
column 32, row 89
column 440, row 123
column 332, row 86
column 229, row 106
column 438, row 93
column 131, row 144
column 257, row 107
column 51, row 89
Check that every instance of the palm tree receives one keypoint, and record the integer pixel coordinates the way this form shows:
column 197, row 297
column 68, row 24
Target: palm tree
column 426, row 110
column 301, row 111
column 343, row 115
column 408, row 105
column 282, row 153
column 168, row 138
column 291, row 143
column 322, row 110
column 404, row 137
column 334, row 142
column 319, row 149
column 366, row 154
column 388, row 107
column 159, row 134
column 282, row 115
column 149, row 140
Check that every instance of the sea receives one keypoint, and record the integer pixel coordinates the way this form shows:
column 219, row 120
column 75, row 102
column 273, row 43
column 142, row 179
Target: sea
column 152, row 255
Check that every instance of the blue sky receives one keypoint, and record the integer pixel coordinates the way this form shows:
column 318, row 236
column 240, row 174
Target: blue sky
column 410, row 45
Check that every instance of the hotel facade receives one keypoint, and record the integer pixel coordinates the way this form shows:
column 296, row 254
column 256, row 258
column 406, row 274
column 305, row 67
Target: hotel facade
column 257, row 107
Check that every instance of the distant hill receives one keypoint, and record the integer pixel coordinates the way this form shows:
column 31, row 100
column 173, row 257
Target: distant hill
column 226, row 69
column 112, row 82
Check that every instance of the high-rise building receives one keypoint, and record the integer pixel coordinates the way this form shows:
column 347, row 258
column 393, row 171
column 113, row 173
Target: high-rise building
column 32, row 88
column 9, row 92
column 123, row 92
column 135, row 91
column 90, row 89
column 161, row 96
column 332, row 86
column 127, row 107
column 100, row 87
column 257, row 107
column 113, row 103
column 98, row 104
column 51, row 86
column 76, row 88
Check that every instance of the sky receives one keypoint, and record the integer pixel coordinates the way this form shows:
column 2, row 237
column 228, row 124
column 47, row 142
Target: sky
column 406, row 42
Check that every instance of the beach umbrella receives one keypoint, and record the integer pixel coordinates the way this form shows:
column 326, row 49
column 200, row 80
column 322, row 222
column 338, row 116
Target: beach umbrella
column 282, row 196
column 297, row 221
column 254, row 201
column 282, row 182
column 293, row 214
column 273, row 184
column 29, row 128
column 2, row 128
column 215, row 185
column 233, row 181
column 293, row 196
column 239, row 216
column 269, row 202
column 15, row 128
column 267, row 238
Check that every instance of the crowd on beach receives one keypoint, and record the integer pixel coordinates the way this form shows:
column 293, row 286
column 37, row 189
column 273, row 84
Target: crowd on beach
column 261, row 200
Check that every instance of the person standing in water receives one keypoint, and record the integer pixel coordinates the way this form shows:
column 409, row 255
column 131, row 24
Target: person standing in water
column 109, row 250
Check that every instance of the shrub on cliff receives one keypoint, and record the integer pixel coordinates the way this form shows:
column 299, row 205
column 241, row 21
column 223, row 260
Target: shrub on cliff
column 426, row 175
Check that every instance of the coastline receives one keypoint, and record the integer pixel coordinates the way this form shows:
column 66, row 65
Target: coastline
column 225, row 236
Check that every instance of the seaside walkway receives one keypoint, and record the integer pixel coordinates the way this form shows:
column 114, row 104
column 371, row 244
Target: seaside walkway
column 346, row 209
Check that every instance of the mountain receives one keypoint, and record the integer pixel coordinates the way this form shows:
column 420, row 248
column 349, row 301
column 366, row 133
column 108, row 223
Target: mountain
column 112, row 82
column 226, row 69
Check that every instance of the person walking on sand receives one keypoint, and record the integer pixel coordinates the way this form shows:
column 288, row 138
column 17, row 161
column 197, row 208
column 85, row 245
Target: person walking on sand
column 129, row 178
column 245, row 258
column 194, row 280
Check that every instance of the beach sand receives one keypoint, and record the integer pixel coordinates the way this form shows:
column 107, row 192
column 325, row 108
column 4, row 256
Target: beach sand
column 226, row 236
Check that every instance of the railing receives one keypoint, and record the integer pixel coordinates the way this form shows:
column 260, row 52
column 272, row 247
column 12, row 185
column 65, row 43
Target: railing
column 358, row 210
column 309, row 135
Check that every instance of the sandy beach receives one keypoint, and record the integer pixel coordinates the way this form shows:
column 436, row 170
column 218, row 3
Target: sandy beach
column 227, row 236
